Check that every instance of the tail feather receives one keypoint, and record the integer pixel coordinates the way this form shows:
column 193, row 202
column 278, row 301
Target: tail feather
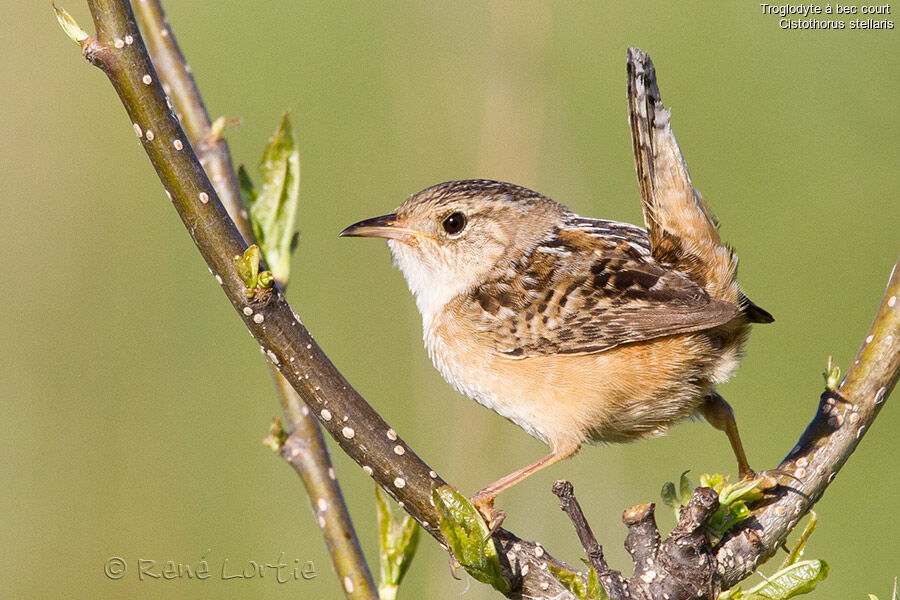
column 753, row 312
column 683, row 232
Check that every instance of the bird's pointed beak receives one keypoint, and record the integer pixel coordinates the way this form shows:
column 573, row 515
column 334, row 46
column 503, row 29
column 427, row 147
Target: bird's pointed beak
column 385, row 226
column 382, row 227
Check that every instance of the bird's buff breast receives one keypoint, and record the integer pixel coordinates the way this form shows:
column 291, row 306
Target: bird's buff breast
column 623, row 394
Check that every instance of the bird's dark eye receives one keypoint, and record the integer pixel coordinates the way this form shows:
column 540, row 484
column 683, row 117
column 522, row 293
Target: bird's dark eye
column 454, row 223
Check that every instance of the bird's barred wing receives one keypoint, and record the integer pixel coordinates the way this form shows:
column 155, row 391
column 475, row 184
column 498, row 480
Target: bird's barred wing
column 585, row 291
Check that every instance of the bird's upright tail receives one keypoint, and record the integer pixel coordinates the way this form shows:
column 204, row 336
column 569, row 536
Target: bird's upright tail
column 682, row 230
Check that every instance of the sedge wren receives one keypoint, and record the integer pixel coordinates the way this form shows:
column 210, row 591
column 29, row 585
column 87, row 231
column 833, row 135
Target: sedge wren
column 576, row 329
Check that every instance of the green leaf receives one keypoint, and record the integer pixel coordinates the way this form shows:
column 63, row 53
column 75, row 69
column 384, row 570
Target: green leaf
column 468, row 538
column 248, row 269
column 797, row 550
column 832, row 375
column 799, row 578
column 595, row 591
column 686, row 488
column 571, row 580
column 675, row 499
column 273, row 205
column 670, row 497
column 69, row 25
column 746, row 490
column 733, row 500
column 397, row 542
column 266, row 279
column 248, row 266
column 593, row 585
column 714, row 481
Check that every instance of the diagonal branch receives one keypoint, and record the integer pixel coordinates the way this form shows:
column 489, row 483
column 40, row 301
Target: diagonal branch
column 844, row 414
column 684, row 567
column 178, row 83
column 841, row 420
column 361, row 433
column 280, row 332
column 612, row 581
column 305, row 448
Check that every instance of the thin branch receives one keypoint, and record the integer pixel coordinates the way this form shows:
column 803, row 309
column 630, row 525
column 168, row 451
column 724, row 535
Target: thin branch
column 305, row 449
column 613, row 582
column 361, row 433
column 306, row 452
column 178, row 82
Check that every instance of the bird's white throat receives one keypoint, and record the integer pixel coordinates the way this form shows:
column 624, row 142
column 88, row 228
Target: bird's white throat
column 432, row 288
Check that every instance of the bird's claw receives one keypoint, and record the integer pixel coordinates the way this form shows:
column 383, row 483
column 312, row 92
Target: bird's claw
column 454, row 564
column 493, row 517
column 767, row 479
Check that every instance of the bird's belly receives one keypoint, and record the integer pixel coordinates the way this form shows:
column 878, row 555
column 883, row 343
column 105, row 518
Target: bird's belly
column 623, row 394
column 472, row 373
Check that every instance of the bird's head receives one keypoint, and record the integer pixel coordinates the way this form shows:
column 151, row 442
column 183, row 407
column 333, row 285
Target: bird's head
column 450, row 238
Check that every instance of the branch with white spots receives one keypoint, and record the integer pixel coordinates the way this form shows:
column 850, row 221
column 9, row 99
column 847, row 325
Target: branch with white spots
column 313, row 462
column 118, row 50
column 307, row 451
column 178, row 83
column 843, row 416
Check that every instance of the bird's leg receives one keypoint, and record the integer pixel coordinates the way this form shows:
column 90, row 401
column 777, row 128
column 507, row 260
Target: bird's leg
column 719, row 414
column 484, row 500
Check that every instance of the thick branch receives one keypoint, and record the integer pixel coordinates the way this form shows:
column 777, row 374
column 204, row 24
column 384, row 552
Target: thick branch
column 681, row 567
column 361, row 433
column 307, row 453
column 842, row 419
column 280, row 332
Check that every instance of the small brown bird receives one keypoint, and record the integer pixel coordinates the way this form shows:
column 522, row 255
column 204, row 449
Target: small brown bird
column 576, row 329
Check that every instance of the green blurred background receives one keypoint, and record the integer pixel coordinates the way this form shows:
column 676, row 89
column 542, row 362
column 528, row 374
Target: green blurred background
column 134, row 402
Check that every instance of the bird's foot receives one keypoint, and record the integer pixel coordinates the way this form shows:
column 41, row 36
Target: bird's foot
column 494, row 517
column 767, row 479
